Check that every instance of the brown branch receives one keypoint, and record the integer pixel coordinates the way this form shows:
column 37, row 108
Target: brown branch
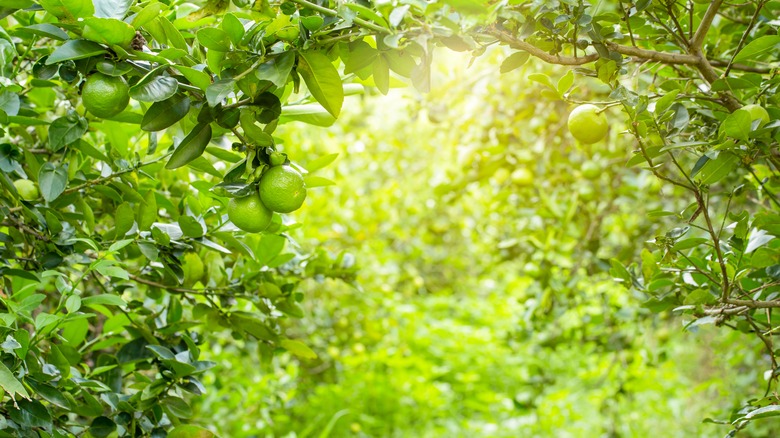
column 704, row 26
column 745, row 34
column 753, row 304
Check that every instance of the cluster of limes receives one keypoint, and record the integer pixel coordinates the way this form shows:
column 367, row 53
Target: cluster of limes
column 281, row 189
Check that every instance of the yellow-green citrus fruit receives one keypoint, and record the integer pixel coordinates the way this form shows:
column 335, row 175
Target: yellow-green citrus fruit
column 586, row 124
column 26, row 189
column 105, row 96
column 282, row 189
column 249, row 213
column 590, row 170
column 522, row 177
column 756, row 112
column 193, row 268
column 288, row 33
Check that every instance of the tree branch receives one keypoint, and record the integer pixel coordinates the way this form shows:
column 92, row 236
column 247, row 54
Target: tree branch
column 704, row 26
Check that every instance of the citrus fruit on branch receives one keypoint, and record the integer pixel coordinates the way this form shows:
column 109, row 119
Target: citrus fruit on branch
column 105, row 96
column 587, row 124
column 249, row 213
column 756, row 112
column 282, row 189
column 26, row 189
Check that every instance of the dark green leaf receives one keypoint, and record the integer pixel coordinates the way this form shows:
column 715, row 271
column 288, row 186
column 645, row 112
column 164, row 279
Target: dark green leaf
column 52, row 181
column 65, row 130
column 155, row 89
column 191, row 147
column 75, row 49
column 165, row 113
column 102, row 427
column 277, row 70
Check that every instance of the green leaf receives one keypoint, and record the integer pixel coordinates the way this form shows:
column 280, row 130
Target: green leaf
column 758, row 47
column 196, row 77
column 737, row 125
column 178, row 407
column 360, row 56
column 214, row 39
column 165, row 113
column 45, row 30
column 277, row 70
column 108, row 31
column 65, row 130
column 146, row 15
column 191, row 147
column 717, row 169
column 191, row 227
column 219, row 90
column 52, row 181
column 155, row 89
column 514, row 61
column 102, row 427
column 10, row 384
column 234, row 29
column 103, row 300
column 75, row 49
column 313, row 114
column 298, row 348
column 69, row 10
column 323, row 80
column 112, row 8
column 382, row 74
column 147, row 211
column 252, row 325
column 123, row 219
column 313, row 181
column 764, row 412
column 173, row 35
column 320, row 162
column 689, row 243
column 31, row 413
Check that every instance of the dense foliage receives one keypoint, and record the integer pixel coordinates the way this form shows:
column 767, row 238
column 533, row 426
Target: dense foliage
column 119, row 263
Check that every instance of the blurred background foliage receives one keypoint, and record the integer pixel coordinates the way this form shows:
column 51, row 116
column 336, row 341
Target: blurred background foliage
column 482, row 234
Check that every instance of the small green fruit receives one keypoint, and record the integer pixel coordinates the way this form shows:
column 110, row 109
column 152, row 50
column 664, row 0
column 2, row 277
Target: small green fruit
column 587, row 124
column 26, row 189
column 591, row 170
column 756, row 112
column 523, row 177
column 249, row 213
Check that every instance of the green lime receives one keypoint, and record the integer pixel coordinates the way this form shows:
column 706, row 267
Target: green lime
column 587, row 124
column 193, row 268
column 105, row 96
column 522, row 177
column 26, row 189
column 590, row 170
column 249, row 213
column 756, row 112
column 282, row 189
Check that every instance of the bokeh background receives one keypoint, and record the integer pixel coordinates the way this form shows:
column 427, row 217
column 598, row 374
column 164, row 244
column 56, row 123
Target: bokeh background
column 481, row 235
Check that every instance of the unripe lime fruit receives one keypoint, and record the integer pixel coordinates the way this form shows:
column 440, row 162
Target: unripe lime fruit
column 26, row 189
column 105, row 96
column 586, row 124
column 522, row 177
column 590, row 170
column 282, row 189
column 249, row 213
column 289, row 33
column 193, row 268
column 756, row 112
